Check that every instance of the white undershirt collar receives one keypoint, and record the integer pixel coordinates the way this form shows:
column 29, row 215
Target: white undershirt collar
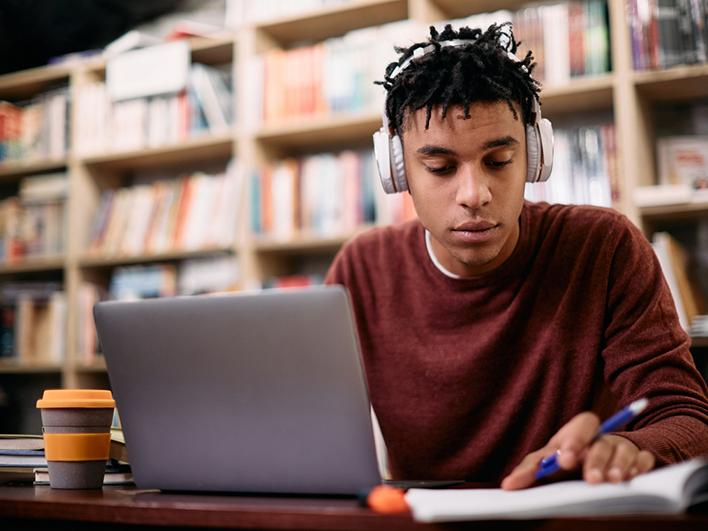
column 434, row 259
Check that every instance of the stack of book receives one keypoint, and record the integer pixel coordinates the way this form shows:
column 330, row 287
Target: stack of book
column 668, row 32
column 36, row 129
column 329, row 194
column 22, row 459
column 205, row 106
column 32, row 223
column 187, row 213
column 584, row 168
column 32, row 322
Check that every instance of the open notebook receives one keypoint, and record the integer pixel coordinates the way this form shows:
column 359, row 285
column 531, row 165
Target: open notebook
column 667, row 490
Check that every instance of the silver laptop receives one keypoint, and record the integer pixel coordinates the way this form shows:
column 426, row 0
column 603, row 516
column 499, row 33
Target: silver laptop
column 254, row 392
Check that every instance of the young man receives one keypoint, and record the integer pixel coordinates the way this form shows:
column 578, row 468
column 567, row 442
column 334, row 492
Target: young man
column 493, row 329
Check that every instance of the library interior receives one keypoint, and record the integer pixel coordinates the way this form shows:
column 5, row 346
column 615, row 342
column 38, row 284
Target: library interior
column 247, row 163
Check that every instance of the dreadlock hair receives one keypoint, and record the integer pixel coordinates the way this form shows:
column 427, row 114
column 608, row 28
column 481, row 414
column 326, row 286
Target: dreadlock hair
column 461, row 75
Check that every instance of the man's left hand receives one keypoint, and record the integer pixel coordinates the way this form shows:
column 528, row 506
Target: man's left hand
column 609, row 458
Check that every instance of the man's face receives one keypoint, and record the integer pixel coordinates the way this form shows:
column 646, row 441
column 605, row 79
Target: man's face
column 466, row 177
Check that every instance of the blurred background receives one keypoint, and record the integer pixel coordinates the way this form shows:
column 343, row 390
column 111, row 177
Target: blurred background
column 162, row 147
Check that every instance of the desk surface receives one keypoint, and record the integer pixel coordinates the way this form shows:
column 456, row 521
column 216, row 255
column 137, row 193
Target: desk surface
column 118, row 506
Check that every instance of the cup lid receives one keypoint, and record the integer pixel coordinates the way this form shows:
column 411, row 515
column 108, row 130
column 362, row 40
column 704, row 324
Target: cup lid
column 69, row 398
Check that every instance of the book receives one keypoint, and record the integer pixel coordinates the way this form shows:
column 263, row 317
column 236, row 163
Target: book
column 110, row 477
column 668, row 490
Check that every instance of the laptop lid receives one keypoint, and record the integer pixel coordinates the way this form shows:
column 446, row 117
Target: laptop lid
column 252, row 392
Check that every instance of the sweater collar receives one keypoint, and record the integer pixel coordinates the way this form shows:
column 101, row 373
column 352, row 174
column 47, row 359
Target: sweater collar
column 513, row 264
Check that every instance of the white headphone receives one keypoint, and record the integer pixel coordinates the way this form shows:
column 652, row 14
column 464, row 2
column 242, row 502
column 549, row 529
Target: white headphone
column 388, row 148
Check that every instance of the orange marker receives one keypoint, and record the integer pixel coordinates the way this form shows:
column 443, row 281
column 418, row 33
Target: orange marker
column 387, row 500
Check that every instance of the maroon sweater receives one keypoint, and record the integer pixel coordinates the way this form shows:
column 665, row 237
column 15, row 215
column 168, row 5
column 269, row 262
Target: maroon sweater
column 467, row 376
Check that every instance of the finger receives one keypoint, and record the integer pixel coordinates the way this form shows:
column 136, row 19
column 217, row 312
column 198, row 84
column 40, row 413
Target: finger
column 645, row 462
column 597, row 460
column 623, row 459
column 524, row 474
column 574, row 437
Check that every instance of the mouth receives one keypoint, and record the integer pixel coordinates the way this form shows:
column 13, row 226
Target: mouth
column 475, row 231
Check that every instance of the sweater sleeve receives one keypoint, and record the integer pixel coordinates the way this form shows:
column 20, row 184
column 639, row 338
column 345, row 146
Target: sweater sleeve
column 646, row 354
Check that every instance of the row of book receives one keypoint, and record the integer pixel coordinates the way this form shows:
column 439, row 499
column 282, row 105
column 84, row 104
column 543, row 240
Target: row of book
column 327, row 194
column 666, row 33
column 584, row 168
column 33, row 322
column 32, row 223
column 194, row 276
column 35, row 129
column 568, row 39
column 333, row 76
column 187, row 213
column 205, row 106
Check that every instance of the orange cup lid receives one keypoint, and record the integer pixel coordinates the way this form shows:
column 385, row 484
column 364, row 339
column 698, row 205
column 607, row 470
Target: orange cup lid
column 70, row 398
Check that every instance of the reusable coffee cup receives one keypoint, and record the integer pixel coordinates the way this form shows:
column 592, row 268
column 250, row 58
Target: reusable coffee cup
column 76, row 425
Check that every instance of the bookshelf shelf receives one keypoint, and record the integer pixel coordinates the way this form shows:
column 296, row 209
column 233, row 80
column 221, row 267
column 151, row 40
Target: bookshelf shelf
column 201, row 148
column 333, row 20
column 699, row 342
column 19, row 168
column 303, row 243
column 673, row 84
column 97, row 365
column 685, row 211
column 41, row 264
column 580, row 94
column 457, row 9
column 29, row 82
column 92, row 261
column 203, row 49
column 212, row 51
column 325, row 131
column 16, row 367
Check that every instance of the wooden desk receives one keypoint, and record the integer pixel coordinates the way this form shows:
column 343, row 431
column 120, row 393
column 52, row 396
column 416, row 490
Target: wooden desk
column 28, row 507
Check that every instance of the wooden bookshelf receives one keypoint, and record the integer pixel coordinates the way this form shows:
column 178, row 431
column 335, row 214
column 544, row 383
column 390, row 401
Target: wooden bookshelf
column 33, row 265
column 674, row 84
column 93, row 261
column 302, row 243
column 333, row 20
column 11, row 366
column 326, row 131
column 206, row 147
column 11, row 170
column 458, row 8
column 624, row 92
column 580, row 94
column 98, row 365
column 19, row 85
column 699, row 342
column 676, row 212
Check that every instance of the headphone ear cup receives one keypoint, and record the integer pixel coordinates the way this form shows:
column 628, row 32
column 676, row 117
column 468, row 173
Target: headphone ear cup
column 545, row 135
column 382, row 154
column 533, row 154
column 398, row 167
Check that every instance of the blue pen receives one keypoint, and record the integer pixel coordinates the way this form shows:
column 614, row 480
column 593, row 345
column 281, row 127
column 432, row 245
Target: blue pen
column 549, row 464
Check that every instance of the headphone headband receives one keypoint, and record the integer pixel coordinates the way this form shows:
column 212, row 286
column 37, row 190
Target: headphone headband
column 388, row 148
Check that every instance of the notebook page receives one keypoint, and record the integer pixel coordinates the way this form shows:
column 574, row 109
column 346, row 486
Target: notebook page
column 668, row 481
column 564, row 498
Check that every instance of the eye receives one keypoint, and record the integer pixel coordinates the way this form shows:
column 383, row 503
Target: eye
column 440, row 170
column 498, row 163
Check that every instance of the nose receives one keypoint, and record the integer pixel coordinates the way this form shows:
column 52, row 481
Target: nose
column 472, row 187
